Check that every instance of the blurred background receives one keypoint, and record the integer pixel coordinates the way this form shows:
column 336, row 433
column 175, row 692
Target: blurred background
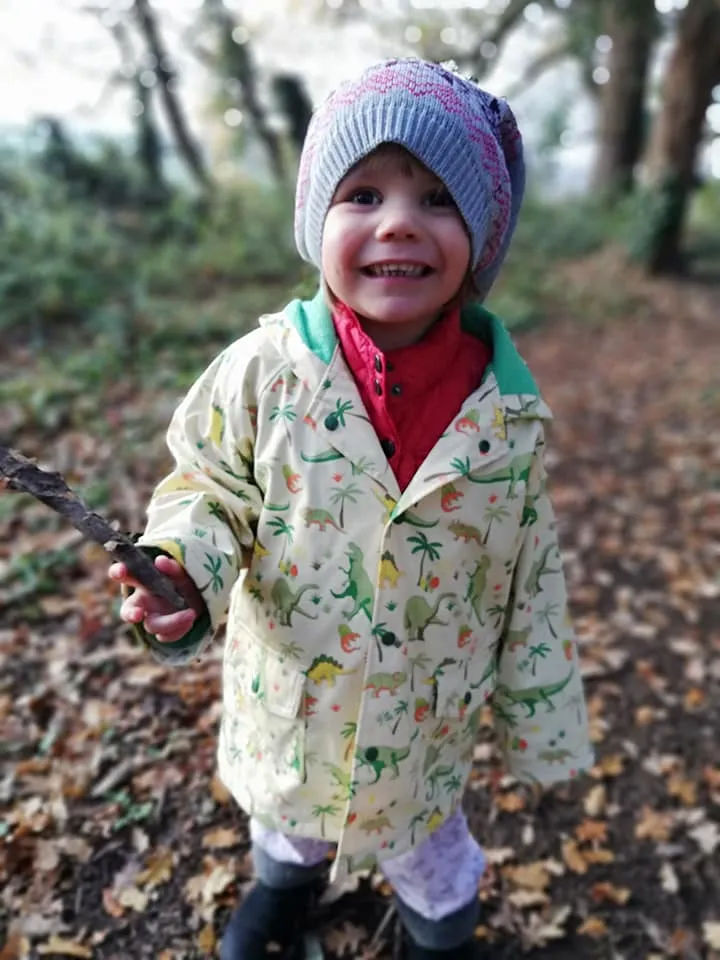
column 148, row 151
column 163, row 136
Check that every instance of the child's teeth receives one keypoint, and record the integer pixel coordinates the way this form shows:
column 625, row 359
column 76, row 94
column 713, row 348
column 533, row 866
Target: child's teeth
column 386, row 270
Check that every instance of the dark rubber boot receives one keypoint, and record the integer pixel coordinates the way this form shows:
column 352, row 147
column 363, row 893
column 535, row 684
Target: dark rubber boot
column 270, row 916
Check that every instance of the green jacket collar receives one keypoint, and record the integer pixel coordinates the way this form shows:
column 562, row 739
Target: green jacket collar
column 313, row 321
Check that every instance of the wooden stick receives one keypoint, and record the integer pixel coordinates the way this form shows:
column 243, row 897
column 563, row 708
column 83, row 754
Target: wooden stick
column 51, row 489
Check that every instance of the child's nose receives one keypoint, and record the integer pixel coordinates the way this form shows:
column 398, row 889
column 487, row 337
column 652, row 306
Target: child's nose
column 398, row 221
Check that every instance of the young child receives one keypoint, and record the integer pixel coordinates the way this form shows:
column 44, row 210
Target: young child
column 361, row 481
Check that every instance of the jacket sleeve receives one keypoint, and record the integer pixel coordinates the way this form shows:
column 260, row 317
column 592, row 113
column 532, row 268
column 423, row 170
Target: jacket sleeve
column 204, row 514
column 538, row 703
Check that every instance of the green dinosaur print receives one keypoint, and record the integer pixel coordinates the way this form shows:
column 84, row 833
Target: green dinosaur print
column 517, row 470
column 517, row 638
column 539, row 570
column 419, row 615
column 376, row 824
column 465, row 532
column 385, row 683
column 534, row 695
column 433, row 779
column 359, row 585
column 407, row 516
column 327, row 457
column 382, row 758
column 287, row 602
column 324, row 669
column 344, row 782
column 558, row 755
column 477, row 582
column 321, row 518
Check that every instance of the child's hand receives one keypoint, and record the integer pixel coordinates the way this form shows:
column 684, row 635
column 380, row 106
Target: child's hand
column 156, row 614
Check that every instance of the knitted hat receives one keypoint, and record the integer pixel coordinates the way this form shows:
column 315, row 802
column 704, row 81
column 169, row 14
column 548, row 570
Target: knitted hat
column 467, row 137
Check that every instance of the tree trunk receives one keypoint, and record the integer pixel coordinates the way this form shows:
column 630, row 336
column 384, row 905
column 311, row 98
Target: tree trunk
column 239, row 66
column 186, row 143
column 633, row 28
column 295, row 103
column 692, row 72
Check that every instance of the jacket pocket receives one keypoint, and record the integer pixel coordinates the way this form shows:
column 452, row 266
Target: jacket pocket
column 264, row 722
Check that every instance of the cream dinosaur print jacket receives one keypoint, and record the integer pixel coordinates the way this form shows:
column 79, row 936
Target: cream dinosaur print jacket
column 369, row 631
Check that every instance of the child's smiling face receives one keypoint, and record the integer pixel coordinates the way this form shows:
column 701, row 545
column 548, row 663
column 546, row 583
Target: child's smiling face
column 395, row 248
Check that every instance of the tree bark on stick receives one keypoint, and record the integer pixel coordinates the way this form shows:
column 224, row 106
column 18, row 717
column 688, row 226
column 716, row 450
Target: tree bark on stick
column 51, row 489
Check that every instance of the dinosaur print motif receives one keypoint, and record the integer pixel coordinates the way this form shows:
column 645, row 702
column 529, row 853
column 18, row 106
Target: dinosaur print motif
column 539, row 569
column 376, row 824
column 382, row 758
column 379, row 683
column 389, row 573
column 287, row 602
column 324, row 669
column 359, row 586
column 419, row 615
column 465, row 532
column 356, row 640
column 320, row 518
column 477, row 582
column 533, row 696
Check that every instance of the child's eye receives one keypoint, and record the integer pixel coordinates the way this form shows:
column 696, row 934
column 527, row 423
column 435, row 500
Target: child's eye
column 364, row 196
column 440, row 198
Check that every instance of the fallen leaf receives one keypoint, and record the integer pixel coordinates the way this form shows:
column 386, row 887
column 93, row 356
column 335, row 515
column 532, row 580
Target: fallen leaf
column 133, row 898
column 64, row 948
column 159, row 869
column 221, row 839
column 523, row 899
column 608, row 892
column 594, row 927
column 685, row 790
column 219, row 791
column 711, row 933
column 596, row 800
column 573, row 858
column 532, row 876
column 597, row 855
column 654, row 825
column 207, row 940
column 610, row 766
column 706, row 836
column 590, row 831
column 669, row 879
column 111, row 904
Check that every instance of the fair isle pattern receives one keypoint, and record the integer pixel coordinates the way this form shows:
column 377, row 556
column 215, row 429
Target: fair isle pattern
column 467, row 137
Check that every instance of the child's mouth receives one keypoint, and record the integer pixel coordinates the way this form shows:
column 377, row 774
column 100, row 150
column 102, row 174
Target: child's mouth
column 411, row 271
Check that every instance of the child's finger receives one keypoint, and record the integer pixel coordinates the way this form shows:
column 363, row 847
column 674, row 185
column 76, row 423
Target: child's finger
column 170, row 626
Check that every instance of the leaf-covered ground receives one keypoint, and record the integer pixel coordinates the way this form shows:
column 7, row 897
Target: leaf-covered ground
column 116, row 839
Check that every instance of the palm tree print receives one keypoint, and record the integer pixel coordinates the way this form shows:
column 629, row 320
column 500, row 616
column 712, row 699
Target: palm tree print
column 429, row 550
column 401, row 710
column 282, row 529
column 538, row 652
column 453, row 784
column 348, row 733
column 417, row 819
column 330, row 810
column 213, row 565
column 285, row 413
column 420, row 660
column 341, row 494
column 544, row 616
column 495, row 512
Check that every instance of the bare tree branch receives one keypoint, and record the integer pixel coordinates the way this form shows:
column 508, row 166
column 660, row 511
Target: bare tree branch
column 541, row 64
column 51, row 489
